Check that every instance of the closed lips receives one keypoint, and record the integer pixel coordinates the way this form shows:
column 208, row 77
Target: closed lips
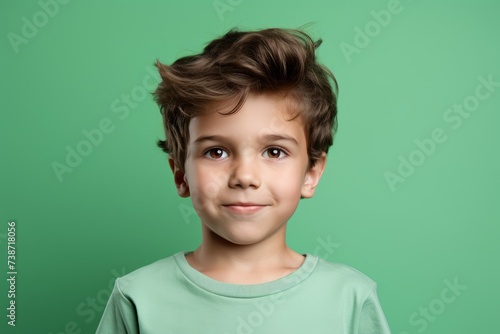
column 244, row 207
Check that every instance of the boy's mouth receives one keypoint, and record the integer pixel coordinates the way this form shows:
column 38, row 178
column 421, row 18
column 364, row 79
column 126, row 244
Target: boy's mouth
column 244, row 208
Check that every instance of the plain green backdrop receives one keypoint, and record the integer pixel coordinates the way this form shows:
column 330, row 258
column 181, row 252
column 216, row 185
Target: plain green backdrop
column 410, row 195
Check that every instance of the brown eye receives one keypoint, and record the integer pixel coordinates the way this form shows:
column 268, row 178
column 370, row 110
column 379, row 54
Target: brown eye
column 216, row 153
column 275, row 153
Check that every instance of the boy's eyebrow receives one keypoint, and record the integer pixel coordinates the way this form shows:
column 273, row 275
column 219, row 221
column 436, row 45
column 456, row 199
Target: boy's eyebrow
column 202, row 139
column 264, row 138
column 277, row 137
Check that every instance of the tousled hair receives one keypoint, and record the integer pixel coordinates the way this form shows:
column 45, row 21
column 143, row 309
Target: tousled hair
column 239, row 63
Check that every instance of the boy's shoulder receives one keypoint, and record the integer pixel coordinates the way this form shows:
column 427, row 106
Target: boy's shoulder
column 343, row 276
column 342, row 270
column 148, row 275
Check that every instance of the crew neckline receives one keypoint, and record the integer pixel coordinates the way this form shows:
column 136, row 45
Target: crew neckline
column 245, row 290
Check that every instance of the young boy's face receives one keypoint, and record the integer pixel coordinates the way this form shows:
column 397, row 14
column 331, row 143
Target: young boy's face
column 247, row 171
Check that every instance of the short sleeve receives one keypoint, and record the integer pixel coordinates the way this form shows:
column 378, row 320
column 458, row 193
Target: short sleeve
column 120, row 314
column 372, row 319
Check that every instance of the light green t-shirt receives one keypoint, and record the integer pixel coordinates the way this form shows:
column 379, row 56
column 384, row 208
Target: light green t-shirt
column 170, row 296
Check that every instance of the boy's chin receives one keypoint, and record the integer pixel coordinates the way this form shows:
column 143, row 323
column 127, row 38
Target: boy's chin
column 239, row 239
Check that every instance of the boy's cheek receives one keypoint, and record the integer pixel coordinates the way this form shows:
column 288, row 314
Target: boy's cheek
column 210, row 182
column 202, row 195
column 199, row 203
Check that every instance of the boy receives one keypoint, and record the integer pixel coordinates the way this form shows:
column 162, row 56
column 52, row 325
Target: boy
column 248, row 123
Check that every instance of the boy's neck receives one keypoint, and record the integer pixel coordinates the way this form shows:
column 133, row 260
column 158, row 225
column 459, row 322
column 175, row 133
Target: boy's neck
column 244, row 264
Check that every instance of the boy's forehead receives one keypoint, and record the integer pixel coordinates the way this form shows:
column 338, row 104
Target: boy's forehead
column 281, row 101
column 260, row 114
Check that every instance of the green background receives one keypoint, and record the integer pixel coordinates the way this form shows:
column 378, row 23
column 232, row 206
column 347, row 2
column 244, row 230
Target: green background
column 117, row 210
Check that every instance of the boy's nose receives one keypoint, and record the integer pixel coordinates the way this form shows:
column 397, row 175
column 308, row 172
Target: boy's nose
column 244, row 174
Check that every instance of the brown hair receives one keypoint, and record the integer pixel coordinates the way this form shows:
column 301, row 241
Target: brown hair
column 238, row 63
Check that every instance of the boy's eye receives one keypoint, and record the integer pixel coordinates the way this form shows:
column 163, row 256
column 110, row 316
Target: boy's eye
column 275, row 153
column 216, row 153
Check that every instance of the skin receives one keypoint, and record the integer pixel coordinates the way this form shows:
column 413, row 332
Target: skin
column 245, row 174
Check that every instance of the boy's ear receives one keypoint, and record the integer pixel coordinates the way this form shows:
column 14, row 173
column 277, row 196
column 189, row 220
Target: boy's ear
column 179, row 179
column 313, row 176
